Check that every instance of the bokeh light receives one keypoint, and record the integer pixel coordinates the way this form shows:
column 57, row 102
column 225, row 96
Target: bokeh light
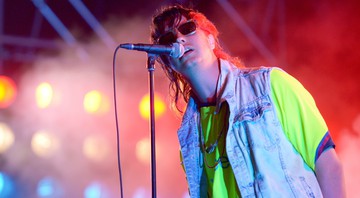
column 44, row 95
column 159, row 106
column 7, row 91
column 95, row 190
column 143, row 150
column 48, row 187
column 44, row 144
column 6, row 137
column 96, row 147
column 95, row 102
column 141, row 192
column 6, row 185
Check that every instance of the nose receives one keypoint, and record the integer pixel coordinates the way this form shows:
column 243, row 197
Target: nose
column 180, row 38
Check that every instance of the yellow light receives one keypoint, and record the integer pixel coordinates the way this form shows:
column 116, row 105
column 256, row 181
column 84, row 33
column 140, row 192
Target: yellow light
column 159, row 105
column 44, row 144
column 96, row 148
column 44, row 95
column 6, row 137
column 7, row 91
column 143, row 147
column 96, row 103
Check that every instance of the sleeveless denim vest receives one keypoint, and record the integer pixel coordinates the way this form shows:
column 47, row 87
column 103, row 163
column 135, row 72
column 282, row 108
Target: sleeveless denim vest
column 264, row 162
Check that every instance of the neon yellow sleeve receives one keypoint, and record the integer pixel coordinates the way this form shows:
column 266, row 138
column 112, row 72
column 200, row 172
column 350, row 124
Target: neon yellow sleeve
column 300, row 118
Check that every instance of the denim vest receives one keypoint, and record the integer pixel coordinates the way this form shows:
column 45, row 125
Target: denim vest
column 264, row 162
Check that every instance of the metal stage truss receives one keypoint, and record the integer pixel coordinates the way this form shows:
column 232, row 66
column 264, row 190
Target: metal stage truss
column 26, row 45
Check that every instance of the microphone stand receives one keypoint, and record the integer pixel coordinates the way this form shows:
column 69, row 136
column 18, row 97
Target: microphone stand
column 151, row 69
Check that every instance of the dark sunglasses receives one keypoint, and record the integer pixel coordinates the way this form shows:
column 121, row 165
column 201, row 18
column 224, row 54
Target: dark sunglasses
column 187, row 28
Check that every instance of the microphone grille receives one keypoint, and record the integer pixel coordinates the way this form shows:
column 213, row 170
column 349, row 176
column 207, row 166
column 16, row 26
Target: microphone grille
column 178, row 50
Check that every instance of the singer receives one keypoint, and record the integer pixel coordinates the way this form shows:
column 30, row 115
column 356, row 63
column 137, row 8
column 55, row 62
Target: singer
column 246, row 132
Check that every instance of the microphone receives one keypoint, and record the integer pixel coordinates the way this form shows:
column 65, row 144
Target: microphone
column 175, row 50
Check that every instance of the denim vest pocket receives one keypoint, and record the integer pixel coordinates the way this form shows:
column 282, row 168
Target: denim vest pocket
column 253, row 110
column 257, row 125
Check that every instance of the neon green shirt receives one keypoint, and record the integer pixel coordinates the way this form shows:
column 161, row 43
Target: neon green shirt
column 300, row 118
column 302, row 123
column 221, row 179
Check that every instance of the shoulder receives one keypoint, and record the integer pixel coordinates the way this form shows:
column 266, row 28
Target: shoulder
column 281, row 80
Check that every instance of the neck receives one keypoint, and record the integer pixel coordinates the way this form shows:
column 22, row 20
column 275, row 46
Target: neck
column 204, row 82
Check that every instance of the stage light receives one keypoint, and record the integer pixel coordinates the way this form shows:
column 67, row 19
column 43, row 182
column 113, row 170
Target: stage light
column 6, row 185
column 6, row 137
column 44, row 95
column 45, row 187
column 96, row 148
column 96, row 102
column 159, row 106
column 48, row 187
column 44, row 144
column 141, row 192
column 7, row 91
column 95, row 190
column 143, row 150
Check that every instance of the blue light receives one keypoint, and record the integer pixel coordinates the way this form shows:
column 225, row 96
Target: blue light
column 2, row 182
column 46, row 187
column 6, row 185
column 94, row 190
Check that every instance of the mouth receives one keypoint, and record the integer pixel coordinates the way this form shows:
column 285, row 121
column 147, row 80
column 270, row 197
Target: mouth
column 187, row 51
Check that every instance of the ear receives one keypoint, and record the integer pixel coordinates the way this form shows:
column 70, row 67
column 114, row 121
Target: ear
column 211, row 40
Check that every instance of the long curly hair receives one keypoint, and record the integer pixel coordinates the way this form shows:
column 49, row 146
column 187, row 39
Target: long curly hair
column 171, row 17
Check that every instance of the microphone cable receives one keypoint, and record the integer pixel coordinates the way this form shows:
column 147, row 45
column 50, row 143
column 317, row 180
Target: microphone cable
column 117, row 124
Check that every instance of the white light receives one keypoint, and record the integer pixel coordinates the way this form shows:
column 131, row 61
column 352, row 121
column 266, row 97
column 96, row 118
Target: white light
column 96, row 148
column 44, row 144
column 6, row 137
column 44, row 95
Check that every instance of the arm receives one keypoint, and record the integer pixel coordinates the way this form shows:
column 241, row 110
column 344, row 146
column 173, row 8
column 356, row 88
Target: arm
column 330, row 175
column 306, row 129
